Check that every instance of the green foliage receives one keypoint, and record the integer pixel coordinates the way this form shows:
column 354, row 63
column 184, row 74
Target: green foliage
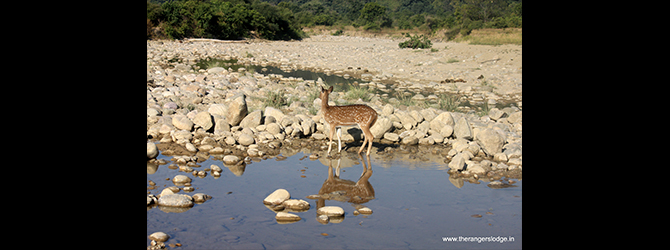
column 224, row 19
column 275, row 99
column 284, row 19
column 416, row 42
column 355, row 93
column 373, row 16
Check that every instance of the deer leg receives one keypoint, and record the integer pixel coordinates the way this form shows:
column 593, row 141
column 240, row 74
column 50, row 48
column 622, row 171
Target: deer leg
column 368, row 139
column 339, row 143
column 330, row 143
column 364, row 140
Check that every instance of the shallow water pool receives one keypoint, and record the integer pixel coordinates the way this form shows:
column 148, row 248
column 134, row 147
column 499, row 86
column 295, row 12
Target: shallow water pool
column 414, row 205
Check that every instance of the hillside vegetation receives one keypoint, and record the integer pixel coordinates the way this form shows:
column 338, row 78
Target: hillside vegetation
column 284, row 20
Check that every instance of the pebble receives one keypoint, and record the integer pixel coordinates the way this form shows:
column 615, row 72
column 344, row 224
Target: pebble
column 175, row 200
column 331, row 211
column 296, row 204
column 181, row 179
column 215, row 168
column 200, row 197
column 159, row 236
column 231, row 159
column 365, row 210
column 323, row 219
column 284, row 216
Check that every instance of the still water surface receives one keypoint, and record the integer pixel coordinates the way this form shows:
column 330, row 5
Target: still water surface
column 414, row 206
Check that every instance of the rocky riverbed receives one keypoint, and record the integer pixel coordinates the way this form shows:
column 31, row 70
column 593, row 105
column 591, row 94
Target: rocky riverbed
column 194, row 114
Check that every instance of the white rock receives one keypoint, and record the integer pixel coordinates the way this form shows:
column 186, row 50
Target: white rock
column 365, row 210
column 231, row 159
column 296, row 204
column 245, row 139
column 215, row 168
column 159, row 236
column 284, row 216
column 152, row 150
column 181, row 179
column 175, row 200
column 457, row 162
column 331, row 211
column 182, row 122
column 277, row 197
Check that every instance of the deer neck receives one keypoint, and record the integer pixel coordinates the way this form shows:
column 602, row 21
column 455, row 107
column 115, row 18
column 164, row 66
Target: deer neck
column 324, row 103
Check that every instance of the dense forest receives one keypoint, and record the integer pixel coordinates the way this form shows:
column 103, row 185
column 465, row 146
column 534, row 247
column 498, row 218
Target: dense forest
column 284, row 19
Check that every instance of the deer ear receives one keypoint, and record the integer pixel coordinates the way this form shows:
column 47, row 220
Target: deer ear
column 323, row 90
column 330, row 89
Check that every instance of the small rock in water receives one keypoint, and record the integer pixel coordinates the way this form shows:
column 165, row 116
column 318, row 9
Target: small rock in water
column 159, row 236
column 284, row 216
column 365, row 210
column 215, row 168
column 277, row 197
column 152, row 150
column 231, row 159
column 181, row 179
column 296, row 204
column 175, row 200
column 323, row 219
column 200, row 197
column 331, row 211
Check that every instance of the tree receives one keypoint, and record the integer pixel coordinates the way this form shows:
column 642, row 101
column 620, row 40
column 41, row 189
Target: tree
column 373, row 15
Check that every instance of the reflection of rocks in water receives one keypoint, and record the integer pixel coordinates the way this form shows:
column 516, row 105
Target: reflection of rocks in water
column 498, row 184
column 338, row 189
column 238, row 169
column 497, row 177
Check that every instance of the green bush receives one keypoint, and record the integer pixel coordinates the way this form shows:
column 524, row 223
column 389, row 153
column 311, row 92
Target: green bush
column 416, row 42
column 224, row 20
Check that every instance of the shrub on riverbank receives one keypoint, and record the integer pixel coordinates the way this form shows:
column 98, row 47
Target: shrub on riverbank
column 416, row 42
column 223, row 20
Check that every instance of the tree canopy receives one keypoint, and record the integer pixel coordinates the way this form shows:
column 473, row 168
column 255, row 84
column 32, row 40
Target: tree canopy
column 284, row 19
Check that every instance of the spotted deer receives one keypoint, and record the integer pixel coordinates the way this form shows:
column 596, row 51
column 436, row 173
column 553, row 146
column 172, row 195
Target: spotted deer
column 338, row 116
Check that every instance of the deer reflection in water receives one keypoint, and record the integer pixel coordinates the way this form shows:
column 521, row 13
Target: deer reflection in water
column 334, row 188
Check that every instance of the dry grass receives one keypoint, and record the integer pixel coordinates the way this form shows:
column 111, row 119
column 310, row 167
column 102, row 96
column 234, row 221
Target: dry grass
column 493, row 37
column 476, row 37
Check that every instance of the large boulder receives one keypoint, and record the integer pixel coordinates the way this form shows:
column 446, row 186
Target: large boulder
column 218, row 109
column 462, row 129
column 237, row 109
column 382, row 125
column 245, row 139
column 446, row 118
column 252, row 120
column 276, row 113
column 491, row 141
column 204, row 120
column 182, row 122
